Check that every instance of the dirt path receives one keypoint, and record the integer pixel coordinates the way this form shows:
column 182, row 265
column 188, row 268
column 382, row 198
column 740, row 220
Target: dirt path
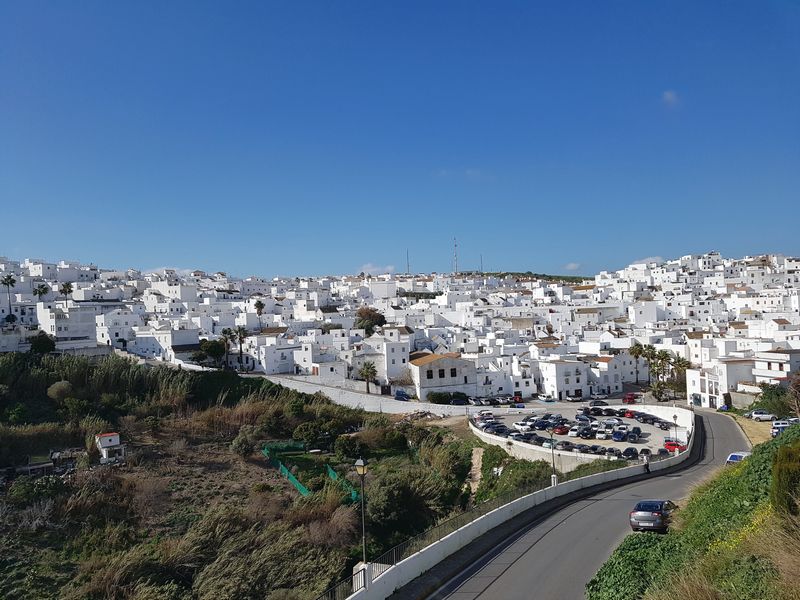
column 475, row 470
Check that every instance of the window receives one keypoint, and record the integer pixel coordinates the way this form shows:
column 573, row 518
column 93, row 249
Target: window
column 441, row 373
column 392, row 361
column 404, row 361
column 452, row 372
column 429, row 374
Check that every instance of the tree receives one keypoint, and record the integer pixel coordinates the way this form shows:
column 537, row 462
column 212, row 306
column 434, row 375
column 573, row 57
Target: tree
column 198, row 356
column 8, row 281
column 228, row 335
column 663, row 360
column 65, row 289
column 40, row 290
column 649, row 354
column 636, row 351
column 41, row 343
column 368, row 318
column 215, row 349
column 259, row 306
column 368, row 372
column 241, row 336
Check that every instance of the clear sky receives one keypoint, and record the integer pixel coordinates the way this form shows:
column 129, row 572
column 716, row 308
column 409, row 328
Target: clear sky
column 319, row 137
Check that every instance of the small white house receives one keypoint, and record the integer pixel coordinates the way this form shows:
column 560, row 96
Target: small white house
column 110, row 448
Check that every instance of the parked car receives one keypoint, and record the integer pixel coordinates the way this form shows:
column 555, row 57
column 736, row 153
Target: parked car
column 595, row 403
column 762, row 415
column 645, row 452
column 621, row 412
column 458, row 402
column 596, row 411
column 619, row 436
column 517, row 405
column 665, row 426
column 485, row 413
column 564, row 445
column 561, row 430
column 586, row 433
column 673, row 445
column 538, row 440
column 612, row 422
column 779, row 428
column 401, row 395
column 523, row 426
column 548, row 443
column 574, row 431
column 652, row 514
column 610, row 412
column 599, row 396
column 580, row 448
column 597, row 449
column 630, row 398
column 630, row 414
column 630, row 453
column 613, row 452
column 662, row 453
column 637, row 430
column 604, row 434
column 736, row 457
column 541, row 424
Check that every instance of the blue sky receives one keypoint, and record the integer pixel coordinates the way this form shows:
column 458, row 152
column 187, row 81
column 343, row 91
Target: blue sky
column 313, row 138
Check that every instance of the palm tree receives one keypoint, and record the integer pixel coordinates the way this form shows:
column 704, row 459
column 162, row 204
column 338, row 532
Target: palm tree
column 40, row 290
column 259, row 306
column 9, row 282
column 679, row 366
column 228, row 336
column 240, row 335
column 368, row 372
column 649, row 354
column 636, row 351
column 65, row 289
column 663, row 361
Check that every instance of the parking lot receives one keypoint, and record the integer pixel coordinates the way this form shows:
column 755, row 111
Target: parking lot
column 597, row 440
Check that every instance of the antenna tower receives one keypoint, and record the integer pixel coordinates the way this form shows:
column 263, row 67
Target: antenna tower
column 455, row 256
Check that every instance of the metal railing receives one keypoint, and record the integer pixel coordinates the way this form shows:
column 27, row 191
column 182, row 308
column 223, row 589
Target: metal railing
column 346, row 587
column 393, row 556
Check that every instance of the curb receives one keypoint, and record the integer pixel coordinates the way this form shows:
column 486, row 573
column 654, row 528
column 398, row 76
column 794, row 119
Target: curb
column 475, row 555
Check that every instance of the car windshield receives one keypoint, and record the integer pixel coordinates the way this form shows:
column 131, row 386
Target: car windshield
column 648, row 506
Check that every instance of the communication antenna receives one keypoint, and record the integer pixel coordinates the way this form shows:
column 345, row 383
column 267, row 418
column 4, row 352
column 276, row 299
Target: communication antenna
column 408, row 264
column 481, row 264
column 455, row 256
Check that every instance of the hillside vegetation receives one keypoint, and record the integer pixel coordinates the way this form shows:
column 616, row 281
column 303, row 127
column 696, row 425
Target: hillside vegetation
column 737, row 538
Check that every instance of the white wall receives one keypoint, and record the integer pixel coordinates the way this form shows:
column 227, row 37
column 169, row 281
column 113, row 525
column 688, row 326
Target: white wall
column 415, row 565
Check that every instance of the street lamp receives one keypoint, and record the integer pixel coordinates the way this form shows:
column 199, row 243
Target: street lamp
column 361, row 469
column 675, row 418
column 553, row 476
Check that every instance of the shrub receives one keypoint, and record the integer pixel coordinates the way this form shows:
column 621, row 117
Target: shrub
column 59, row 391
column 785, row 488
column 439, row 397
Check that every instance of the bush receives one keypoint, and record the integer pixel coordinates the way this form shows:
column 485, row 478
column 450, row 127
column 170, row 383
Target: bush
column 59, row 391
column 26, row 489
column 439, row 397
column 785, row 488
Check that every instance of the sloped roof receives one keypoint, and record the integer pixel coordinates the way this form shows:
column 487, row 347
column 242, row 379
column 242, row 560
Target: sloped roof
column 419, row 362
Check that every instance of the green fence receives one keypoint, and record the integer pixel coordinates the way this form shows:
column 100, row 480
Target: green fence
column 353, row 495
column 269, row 450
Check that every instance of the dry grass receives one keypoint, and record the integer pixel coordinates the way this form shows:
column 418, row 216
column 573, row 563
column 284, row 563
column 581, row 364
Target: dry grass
column 779, row 542
column 688, row 585
column 756, row 431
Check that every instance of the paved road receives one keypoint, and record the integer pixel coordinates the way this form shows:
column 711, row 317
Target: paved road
column 557, row 556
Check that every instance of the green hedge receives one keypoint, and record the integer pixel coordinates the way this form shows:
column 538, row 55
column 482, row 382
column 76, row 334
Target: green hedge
column 785, row 487
column 714, row 512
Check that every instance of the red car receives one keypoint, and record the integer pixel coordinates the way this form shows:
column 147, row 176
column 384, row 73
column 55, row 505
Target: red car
column 630, row 414
column 629, row 398
column 561, row 430
column 673, row 445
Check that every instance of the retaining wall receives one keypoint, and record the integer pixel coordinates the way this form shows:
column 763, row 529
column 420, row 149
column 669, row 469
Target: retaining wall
column 417, row 564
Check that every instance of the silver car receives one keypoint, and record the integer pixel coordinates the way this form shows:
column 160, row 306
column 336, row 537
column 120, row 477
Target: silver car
column 654, row 515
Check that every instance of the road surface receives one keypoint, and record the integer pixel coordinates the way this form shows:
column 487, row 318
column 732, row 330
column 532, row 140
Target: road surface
column 557, row 556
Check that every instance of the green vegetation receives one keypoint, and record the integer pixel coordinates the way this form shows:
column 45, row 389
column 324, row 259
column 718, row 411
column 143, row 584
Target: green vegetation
column 444, row 397
column 531, row 275
column 369, row 318
column 724, row 544
column 197, row 512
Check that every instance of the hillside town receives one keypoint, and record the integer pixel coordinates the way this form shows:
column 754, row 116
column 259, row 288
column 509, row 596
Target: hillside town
column 715, row 325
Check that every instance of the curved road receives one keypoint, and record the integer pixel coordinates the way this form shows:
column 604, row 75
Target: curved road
column 557, row 556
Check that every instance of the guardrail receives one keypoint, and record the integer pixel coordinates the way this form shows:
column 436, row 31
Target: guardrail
column 363, row 581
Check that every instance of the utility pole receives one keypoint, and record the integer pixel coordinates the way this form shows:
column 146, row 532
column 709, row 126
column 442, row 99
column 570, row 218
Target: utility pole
column 408, row 264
